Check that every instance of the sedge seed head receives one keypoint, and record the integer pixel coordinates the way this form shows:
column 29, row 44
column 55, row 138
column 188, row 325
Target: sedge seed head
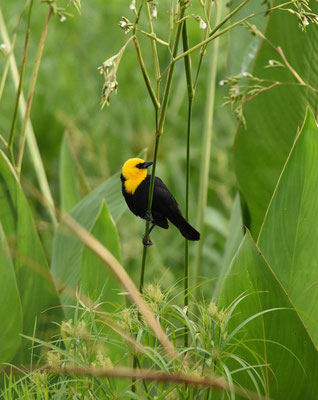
column 154, row 293
column 53, row 359
column 212, row 309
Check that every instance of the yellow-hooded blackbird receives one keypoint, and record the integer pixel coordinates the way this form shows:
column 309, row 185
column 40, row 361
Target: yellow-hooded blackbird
column 135, row 187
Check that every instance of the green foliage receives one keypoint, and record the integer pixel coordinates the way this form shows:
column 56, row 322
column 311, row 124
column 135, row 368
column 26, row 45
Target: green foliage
column 280, row 271
column 264, row 324
column 279, row 337
column 35, row 285
column 70, row 193
column 212, row 349
column 234, row 239
column 98, row 285
column 289, row 229
column 69, row 259
column 11, row 317
column 273, row 118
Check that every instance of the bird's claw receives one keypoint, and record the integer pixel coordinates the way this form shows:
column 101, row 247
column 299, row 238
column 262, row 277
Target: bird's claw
column 148, row 216
column 149, row 243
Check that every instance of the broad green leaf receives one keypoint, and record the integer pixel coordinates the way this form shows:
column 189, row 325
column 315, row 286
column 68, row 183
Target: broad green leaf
column 277, row 337
column 35, row 284
column 289, row 235
column 86, row 210
column 11, row 310
column 273, row 117
column 243, row 46
column 70, row 193
column 97, row 282
column 233, row 241
column 67, row 249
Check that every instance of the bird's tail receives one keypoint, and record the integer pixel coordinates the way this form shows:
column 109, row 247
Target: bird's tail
column 184, row 227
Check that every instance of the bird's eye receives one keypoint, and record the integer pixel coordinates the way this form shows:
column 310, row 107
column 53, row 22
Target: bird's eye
column 140, row 165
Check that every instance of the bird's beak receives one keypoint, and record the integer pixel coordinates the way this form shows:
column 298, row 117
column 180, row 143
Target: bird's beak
column 146, row 164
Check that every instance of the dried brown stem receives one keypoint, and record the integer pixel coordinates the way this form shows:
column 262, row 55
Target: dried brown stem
column 120, row 273
column 215, row 382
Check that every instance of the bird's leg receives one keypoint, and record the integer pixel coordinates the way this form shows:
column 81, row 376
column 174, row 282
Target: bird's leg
column 151, row 228
column 149, row 243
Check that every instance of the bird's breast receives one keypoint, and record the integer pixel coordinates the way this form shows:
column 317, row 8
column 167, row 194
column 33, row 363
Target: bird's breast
column 131, row 185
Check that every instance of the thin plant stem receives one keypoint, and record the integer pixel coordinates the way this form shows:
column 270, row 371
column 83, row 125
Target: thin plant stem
column 299, row 79
column 166, row 94
column 30, row 137
column 206, row 150
column 154, row 46
column 149, row 86
column 203, row 49
column 146, row 235
column 159, row 129
column 133, row 380
column 213, row 35
column 211, row 38
column 7, row 64
column 154, row 37
column 136, row 364
column 229, row 16
column 22, row 69
column 31, row 93
column 190, row 91
column 143, row 263
column 156, row 104
column 122, row 276
column 143, row 381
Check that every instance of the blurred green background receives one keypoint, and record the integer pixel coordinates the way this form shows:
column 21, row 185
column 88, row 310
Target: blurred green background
column 68, row 95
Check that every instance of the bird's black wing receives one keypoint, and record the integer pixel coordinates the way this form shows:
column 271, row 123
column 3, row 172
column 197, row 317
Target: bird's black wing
column 166, row 204
column 163, row 200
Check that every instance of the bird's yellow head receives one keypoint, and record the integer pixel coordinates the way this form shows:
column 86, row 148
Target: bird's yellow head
column 134, row 172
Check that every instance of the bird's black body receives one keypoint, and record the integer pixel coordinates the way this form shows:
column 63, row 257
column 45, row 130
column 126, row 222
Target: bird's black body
column 164, row 206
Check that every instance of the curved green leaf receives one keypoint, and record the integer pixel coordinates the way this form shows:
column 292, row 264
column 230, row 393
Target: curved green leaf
column 289, row 235
column 273, row 117
column 70, row 193
column 67, row 249
column 243, row 46
column 96, row 280
column 11, row 310
column 279, row 337
column 233, row 241
column 36, row 288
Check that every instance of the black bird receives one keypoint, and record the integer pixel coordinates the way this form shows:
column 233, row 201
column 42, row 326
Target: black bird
column 135, row 188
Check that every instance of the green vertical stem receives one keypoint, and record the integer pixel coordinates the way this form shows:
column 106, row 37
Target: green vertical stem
column 203, row 48
column 154, row 97
column 31, row 93
column 30, row 136
column 22, row 69
column 206, row 148
column 154, row 47
column 144, row 253
column 187, row 65
column 159, row 129
column 147, row 80
column 166, row 93
column 7, row 64
column 219, row 24
column 213, row 35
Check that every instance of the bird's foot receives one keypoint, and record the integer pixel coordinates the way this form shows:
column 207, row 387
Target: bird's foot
column 149, row 243
column 148, row 216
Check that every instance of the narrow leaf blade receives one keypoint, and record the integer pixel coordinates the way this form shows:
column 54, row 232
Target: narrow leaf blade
column 11, row 309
